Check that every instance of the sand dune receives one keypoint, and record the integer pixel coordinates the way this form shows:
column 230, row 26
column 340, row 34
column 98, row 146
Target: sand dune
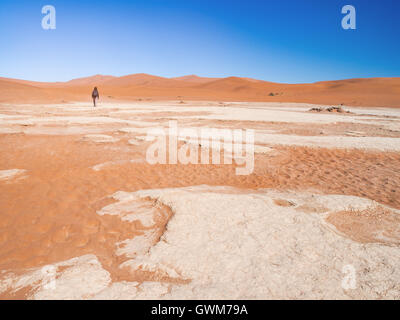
column 94, row 80
column 372, row 92
column 195, row 79
column 139, row 79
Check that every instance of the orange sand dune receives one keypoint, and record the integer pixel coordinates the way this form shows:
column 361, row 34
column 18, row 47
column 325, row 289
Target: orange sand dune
column 378, row 92
column 195, row 79
column 94, row 80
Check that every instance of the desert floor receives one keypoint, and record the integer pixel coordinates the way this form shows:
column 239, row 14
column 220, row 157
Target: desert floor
column 83, row 215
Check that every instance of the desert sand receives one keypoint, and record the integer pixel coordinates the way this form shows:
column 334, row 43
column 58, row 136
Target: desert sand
column 370, row 92
column 84, row 216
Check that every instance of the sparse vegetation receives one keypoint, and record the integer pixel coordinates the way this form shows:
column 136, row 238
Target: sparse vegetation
column 329, row 109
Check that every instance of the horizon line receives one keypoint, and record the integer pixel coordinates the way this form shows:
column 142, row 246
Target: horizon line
column 188, row 75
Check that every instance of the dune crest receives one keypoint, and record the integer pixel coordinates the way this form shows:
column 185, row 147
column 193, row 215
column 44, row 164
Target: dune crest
column 370, row 92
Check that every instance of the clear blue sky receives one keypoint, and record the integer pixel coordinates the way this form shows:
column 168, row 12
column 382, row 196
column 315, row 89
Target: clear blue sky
column 284, row 41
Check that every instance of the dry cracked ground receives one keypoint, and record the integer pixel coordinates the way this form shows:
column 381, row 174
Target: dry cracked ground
column 83, row 215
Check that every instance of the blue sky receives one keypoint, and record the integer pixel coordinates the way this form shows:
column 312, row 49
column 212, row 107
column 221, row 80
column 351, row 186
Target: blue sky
column 290, row 41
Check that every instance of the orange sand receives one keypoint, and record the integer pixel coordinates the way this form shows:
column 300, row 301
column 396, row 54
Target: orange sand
column 378, row 92
column 49, row 214
column 52, row 216
column 377, row 225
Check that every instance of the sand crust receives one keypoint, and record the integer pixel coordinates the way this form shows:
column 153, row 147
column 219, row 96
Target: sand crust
column 225, row 243
column 85, row 203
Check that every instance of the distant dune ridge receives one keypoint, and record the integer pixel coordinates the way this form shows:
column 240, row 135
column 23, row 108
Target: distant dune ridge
column 374, row 92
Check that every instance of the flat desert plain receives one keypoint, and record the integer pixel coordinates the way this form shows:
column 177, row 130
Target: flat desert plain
column 83, row 215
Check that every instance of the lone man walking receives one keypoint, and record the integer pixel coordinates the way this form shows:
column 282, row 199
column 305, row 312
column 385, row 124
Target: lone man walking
column 95, row 95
